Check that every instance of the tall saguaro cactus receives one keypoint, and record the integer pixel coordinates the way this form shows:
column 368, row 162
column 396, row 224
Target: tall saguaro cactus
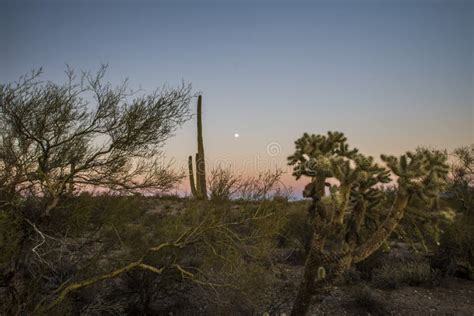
column 339, row 237
column 198, row 184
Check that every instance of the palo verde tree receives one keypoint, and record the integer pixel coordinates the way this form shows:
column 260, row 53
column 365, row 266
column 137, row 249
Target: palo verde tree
column 338, row 240
column 59, row 139
column 55, row 139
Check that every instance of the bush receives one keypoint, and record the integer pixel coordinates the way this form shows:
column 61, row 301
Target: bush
column 455, row 254
column 260, row 187
column 396, row 273
column 225, row 255
column 223, row 185
column 295, row 229
column 369, row 300
column 461, row 186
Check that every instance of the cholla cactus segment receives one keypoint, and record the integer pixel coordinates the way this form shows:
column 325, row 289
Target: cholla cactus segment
column 321, row 273
column 314, row 153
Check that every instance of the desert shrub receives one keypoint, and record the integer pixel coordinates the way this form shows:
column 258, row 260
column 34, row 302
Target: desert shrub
column 455, row 254
column 394, row 274
column 225, row 258
column 295, row 229
column 461, row 186
column 85, row 212
column 238, row 256
column 260, row 186
column 169, row 197
column 283, row 193
column 85, row 236
column 223, row 185
column 366, row 298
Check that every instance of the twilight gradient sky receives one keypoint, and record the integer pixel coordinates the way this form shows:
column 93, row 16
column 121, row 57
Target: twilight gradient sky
column 390, row 74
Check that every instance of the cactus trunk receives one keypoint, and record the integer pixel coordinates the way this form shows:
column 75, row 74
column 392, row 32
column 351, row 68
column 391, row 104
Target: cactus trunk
column 384, row 229
column 200, row 164
column 315, row 279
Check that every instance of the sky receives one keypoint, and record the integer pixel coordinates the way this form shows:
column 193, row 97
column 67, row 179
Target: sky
column 391, row 75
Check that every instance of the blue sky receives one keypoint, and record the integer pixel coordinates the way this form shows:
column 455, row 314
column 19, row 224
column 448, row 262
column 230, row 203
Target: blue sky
column 390, row 74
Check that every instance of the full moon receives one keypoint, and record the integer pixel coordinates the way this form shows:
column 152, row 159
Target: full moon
column 236, row 135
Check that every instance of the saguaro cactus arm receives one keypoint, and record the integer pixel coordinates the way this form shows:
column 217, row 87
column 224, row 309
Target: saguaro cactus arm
column 198, row 182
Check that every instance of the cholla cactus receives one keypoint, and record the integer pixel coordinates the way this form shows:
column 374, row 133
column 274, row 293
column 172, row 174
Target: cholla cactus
column 422, row 174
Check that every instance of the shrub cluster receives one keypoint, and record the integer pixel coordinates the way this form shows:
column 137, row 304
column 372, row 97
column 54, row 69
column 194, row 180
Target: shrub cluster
column 396, row 273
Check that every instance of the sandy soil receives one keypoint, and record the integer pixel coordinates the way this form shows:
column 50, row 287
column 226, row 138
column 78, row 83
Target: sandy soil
column 451, row 297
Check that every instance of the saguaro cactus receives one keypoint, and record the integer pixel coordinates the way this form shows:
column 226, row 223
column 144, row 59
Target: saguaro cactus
column 198, row 184
column 341, row 221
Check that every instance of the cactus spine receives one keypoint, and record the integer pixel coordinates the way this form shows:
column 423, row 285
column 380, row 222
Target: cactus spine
column 198, row 184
